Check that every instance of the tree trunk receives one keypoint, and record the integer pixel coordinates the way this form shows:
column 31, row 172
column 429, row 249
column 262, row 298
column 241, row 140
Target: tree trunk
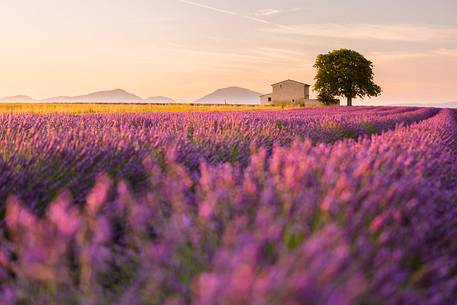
column 349, row 101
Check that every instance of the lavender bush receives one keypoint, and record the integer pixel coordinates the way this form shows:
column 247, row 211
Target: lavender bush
column 333, row 206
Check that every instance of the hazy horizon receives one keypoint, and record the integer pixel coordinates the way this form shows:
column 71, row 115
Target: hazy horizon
column 187, row 49
column 151, row 99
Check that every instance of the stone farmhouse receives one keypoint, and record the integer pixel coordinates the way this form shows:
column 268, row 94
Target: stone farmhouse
column 290, row 92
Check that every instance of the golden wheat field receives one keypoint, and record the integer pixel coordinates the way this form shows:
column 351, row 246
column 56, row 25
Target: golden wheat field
column 119, row 108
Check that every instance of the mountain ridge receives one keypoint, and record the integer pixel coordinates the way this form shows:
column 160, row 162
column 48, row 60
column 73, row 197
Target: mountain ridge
column 227, row 95
column 160, row 100
column 104, row 96
column 230, row 95
column 115, row 95
column 17, row 98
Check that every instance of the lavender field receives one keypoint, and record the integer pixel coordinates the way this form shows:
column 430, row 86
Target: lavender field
column 329, row 206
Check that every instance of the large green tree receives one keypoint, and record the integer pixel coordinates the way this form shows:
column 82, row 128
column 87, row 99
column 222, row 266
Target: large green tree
column 345, row 73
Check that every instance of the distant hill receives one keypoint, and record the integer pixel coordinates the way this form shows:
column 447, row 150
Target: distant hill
column 57, row 99
column 17, row 99
column 109, row 96
column 159, row 100
column 231, row 95
column 113, row 96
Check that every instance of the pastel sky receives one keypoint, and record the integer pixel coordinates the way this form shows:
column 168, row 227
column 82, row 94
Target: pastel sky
column 185, row 49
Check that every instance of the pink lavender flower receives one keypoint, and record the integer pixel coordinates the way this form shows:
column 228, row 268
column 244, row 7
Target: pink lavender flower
column 319, row 206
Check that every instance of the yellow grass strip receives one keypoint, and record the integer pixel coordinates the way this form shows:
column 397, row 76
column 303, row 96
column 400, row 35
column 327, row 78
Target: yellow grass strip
column 39, row 108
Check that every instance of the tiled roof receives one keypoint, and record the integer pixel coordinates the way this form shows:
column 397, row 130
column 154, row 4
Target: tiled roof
column 291, row 80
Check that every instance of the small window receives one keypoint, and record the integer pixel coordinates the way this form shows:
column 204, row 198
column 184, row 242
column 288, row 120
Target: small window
column 293, row 101
column 269, row 99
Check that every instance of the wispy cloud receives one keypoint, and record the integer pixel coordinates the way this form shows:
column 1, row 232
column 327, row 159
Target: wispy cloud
column 223, row 11
column 272, row 11
column 267, row 12
column 259, row 20
column 435, row 53
column 405, row 33
column 211, row 8
column 273, row 24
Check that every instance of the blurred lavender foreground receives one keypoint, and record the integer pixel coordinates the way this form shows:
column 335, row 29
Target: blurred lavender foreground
column 323, row 206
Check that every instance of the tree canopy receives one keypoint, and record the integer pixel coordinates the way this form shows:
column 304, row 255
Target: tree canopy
column 345, row 73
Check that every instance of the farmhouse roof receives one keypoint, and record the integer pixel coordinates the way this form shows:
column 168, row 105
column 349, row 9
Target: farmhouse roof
column 291, row 80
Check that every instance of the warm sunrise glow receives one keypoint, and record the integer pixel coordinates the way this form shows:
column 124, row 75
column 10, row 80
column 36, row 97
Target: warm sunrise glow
column 185, row 49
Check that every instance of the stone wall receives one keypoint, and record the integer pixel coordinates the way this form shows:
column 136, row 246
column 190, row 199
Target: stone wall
column 290, row 91
column 313, row 103
column 266, row 99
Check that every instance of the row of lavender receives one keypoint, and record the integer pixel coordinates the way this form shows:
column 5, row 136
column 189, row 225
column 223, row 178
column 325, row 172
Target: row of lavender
column 355, row 222
column 43, row 154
